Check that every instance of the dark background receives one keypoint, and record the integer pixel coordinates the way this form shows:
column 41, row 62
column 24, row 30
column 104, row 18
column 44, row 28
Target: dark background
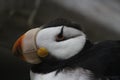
column 15, row 19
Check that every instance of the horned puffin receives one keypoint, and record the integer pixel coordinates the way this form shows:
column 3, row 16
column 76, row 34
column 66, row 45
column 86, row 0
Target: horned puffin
column 60, row 50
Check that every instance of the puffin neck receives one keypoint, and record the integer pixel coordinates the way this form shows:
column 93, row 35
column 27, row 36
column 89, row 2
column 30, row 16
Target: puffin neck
column 61, row 64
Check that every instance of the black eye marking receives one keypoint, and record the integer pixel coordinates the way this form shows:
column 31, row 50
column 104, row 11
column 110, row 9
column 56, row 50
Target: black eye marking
column 60, row 36
column 61, row 32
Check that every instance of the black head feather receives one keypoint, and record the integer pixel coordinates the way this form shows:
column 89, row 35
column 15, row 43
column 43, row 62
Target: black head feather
column 62, row 22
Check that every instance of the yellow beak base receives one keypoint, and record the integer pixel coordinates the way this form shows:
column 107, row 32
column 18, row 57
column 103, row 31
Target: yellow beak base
column 42, row 52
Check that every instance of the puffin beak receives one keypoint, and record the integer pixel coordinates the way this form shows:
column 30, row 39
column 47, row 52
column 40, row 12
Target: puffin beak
column 25, row 47
column 17, row 48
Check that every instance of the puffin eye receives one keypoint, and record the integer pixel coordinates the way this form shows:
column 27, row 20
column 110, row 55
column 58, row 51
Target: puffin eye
column 60, row 36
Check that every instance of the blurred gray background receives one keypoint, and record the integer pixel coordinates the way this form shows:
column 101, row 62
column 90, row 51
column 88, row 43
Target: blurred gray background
column 100, row 20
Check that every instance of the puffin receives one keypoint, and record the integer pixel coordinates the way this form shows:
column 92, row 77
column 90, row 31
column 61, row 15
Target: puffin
column 60, row 50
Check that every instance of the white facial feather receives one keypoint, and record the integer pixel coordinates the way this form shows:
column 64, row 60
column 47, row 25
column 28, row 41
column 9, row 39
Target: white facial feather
column 63, row 49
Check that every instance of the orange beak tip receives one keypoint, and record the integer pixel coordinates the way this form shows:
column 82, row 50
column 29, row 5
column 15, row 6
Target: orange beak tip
column 17, row 47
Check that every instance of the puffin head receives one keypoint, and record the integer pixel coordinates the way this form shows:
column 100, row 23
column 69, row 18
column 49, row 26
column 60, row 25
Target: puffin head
column 59, row 39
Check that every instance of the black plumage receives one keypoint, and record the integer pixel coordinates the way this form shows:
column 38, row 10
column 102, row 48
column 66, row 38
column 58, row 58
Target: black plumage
column 62, row 22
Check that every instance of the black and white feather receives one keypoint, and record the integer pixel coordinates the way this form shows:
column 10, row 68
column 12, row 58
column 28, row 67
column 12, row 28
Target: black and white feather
column 72, row 56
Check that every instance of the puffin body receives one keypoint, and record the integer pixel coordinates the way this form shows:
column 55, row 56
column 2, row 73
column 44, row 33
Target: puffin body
column 60, row 50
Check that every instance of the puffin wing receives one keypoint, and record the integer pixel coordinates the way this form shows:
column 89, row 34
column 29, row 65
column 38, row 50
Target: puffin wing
column 103, row 59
